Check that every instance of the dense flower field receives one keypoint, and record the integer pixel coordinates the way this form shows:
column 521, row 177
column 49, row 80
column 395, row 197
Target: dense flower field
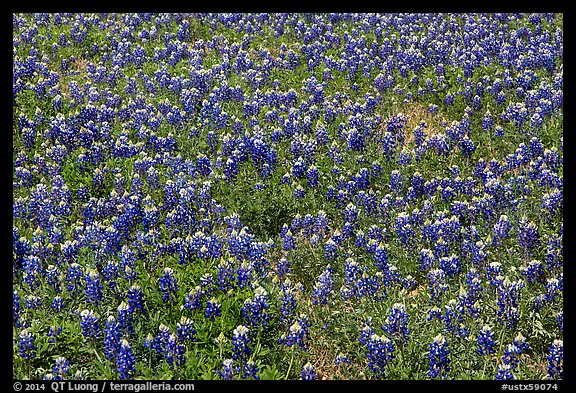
column 287, row 196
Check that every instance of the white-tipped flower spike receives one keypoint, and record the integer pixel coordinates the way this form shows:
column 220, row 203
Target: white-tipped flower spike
column 241, row 330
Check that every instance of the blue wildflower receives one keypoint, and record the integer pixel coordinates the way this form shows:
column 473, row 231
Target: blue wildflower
column 308, row 372
column 168, row 285
column 26, row 345
column 126, row 361
column 213, row 309
column 486, row 341
column 438, row 356
column 89, row 323
column 555, row 359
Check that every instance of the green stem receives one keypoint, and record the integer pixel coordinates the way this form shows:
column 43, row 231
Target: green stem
column 290, row 366
column 98, row 356
column 501, row 344
column 484, row 368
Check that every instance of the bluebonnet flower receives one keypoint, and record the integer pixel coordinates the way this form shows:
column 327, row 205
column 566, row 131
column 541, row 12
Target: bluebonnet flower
column 487, row 121
column 61, row 368
column 493, row 273
column 173, row 351
column 308, row 372
column 351, row 213
column 58, row 303
column 228, row 371
column 168, row 285
column 388, row 145
column 225, row 276
column 112, row 336
column 168, row 345
column 353, row 279
column 126, row 361
column 537, row 302
column 501, row 230
column 552, row 201
column 330, row 250
column 508, row 297
column 193, row 299
column 288, row 239
column 453, row 320
column 504, row 372
column 324, row 287
column 240, row 341
column 286, row 179
column 470, row 299
column 32, row 271
column 449, row 99
column 136, row 299
column 510, row 356
column 360, row 240
column 52, row 333
column 245, row 274
column 450, row 265
column 498, row 131
column 250, row 370
column 528, row 236
column 15, row 308
column 513, row 351
column 299, row 192
column 533, row 272
column 298, row 333
column 395, row 181
column 231, row 169
column 341, row 358
column 426, row 260
column 485, row 341
column 157, row 343
column 26, row 345
column 288, row 307
column 554, row 286
column 521, row 343
column 213, row 309
column 254, row 309
column 439, row 361
column 467, row 146
column 110, row 273
column 555, row 359
column 93, row 287
column 436, row 284
column 125, row 319
column 89, row 323
column 312, row 175
column 283, row 267
column 380, row 352
column 184, row 329
column 397, row 325
column 554, row 253
column 560, row 320
column 53, row 277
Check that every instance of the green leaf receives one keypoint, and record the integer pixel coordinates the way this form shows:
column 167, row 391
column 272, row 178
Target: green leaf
column 270, row 373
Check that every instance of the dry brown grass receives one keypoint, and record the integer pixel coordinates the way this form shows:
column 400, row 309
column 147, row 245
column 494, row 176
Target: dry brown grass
column 415, row 113
column 322, row 351
column 79, row 65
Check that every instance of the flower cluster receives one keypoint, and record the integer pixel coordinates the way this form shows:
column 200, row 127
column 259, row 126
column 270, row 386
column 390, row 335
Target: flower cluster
column 380, row 352
column 298, row 333
column 439, row 360
column 205, row 171
column 556, row 360
column 254, row 310
column 308, row 372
